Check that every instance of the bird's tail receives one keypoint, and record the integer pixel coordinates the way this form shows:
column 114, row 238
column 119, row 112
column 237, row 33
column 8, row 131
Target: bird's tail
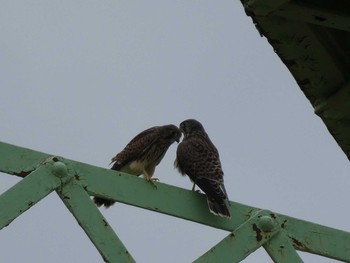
column 116, row 166
column 218, row 207
column 102, row 201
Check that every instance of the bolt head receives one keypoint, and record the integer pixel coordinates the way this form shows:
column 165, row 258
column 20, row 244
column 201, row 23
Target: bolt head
column 59, row 169
column 266, row 223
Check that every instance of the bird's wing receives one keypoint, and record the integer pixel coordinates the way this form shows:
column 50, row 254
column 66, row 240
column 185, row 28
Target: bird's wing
column 197, row 159
column 138, row 146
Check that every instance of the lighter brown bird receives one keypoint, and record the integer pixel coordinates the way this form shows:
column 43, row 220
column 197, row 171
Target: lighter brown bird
column 142, row 154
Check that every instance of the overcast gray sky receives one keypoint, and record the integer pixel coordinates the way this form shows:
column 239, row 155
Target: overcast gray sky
column 80, row 78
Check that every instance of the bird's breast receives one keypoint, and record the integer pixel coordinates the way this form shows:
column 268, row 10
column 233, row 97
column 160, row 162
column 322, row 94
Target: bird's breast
column 134, row 168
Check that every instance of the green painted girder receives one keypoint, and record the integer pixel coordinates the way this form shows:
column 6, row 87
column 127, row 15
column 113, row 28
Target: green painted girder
column 76, row 181
column 93, row 223
column 262, row 229
column 280, row 249
column 26, row 193
column 50, row 175
column 312, row 38
column 243, row 241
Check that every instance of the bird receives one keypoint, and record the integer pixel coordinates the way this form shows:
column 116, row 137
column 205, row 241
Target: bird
column 142, row 154
column 198, row 158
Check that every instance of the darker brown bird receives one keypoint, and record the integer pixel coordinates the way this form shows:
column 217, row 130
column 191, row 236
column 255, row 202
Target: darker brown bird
column 197, row 157
column 143, row 153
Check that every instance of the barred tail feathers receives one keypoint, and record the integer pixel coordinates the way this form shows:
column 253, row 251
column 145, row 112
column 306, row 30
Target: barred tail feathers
column 218, row 208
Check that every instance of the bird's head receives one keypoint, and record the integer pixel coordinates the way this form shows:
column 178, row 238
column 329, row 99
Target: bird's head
column 190, row 126
column 171, row 133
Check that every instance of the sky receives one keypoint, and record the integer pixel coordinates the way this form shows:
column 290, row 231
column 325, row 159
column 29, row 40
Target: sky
column 80, row 79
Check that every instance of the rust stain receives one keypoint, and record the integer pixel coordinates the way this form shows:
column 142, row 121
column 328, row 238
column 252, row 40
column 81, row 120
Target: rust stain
column 299, row 245
column 231, row 237
column 105, row 222
column 258, row 232
column 284, row 224
column 297, row 242
column 22, row 173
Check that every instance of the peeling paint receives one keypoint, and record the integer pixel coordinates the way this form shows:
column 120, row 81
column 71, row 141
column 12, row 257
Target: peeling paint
column 283, row 225
column 258, row 232
column 299, row 245
column 22, row 173
column 105, row 222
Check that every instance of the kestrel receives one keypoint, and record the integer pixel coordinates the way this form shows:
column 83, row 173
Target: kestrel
column 143, row 153
column 197, row 157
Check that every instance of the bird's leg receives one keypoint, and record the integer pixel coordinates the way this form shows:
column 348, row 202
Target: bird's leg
column 148, row 176
column 193, row 188
column 152, row 180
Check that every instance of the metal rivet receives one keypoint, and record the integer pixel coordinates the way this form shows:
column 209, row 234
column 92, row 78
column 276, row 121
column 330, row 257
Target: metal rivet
column 59, row 169
column 266, row 223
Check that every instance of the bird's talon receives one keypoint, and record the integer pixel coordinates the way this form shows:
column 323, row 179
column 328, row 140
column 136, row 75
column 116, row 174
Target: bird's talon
column 151, row 181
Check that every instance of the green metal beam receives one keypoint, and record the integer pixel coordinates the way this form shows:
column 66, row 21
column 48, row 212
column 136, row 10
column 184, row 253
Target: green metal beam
column 26, row 193
column 317, row 239
column 19, row 161
column 165, row 199
column 93, row 223
column 280, row 249
column 192, row 206
column 138, row 192
column 243, row 241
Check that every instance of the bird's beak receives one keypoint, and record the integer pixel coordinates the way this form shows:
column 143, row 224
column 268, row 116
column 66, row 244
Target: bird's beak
column 178, row 138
